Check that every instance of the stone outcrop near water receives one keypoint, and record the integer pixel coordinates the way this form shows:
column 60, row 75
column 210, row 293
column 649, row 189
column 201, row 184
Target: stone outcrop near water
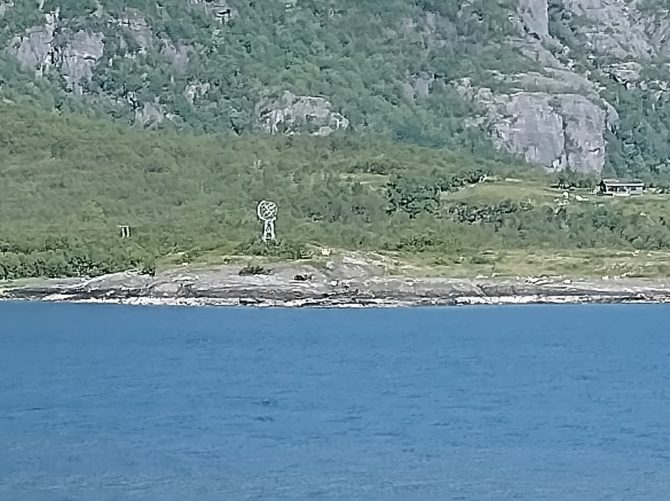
column 347, row 282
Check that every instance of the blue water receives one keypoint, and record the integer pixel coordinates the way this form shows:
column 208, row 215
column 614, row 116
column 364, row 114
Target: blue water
column 129, row 403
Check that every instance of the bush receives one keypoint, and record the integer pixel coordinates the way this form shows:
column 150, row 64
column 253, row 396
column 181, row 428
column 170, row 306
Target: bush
column 279, row 248
column 254, row 269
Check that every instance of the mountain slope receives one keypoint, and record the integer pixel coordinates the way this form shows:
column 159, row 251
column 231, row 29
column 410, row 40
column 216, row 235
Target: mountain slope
column 564, row 83
column 67, row 181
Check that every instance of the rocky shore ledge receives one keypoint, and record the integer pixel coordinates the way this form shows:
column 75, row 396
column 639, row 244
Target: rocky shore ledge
column 349, row 282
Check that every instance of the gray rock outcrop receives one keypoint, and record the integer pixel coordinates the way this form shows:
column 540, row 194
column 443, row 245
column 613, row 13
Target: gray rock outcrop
column 556, row 116
column 616, row 28
column 418, row 86
column 291, row 114
column 177, row 54
column 138, row 27
column 557, row 131
column 5, row 6
column 79, row 57
column 535, row 17
column 627, row 73
column 73, row 55
column 219, row 9
column 148, row 114
column 196, row 90
column 339, row 285
column 612, row 27
column 34, row 49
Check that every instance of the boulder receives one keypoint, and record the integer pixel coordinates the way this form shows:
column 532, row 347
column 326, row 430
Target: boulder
column 291, row 114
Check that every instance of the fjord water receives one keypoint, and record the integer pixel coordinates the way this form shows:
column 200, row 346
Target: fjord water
column 134, row 403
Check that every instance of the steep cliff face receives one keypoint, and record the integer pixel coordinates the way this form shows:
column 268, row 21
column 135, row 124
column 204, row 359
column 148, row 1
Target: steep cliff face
column 561, row 116
column 557, row 131
column 549, row 80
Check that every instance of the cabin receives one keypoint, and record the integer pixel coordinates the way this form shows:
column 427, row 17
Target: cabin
column 616, row 187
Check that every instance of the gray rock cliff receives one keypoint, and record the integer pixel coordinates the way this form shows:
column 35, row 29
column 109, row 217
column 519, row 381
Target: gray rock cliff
column 554, row 130
column 290, row 114
column 134, row 23
column 73, row 55
column 34, row 49
column 79, row 56
column 557, row 116
column 535, row 17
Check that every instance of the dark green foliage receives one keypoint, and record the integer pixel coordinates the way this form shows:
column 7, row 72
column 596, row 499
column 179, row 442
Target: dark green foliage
column 254, row 269
column 467, row 178
column 639, row 147
column 569, row 179
column 68, row 256
column 413, row 194
column 496, row 214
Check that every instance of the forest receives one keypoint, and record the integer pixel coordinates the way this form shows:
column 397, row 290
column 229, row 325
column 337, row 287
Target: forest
column 67, row 182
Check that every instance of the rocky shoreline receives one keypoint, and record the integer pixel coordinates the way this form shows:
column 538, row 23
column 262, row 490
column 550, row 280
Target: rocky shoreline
column 349, row 282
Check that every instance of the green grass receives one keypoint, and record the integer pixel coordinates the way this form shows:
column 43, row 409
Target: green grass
column 521, row 191
column 541, row 193
column 592, row 263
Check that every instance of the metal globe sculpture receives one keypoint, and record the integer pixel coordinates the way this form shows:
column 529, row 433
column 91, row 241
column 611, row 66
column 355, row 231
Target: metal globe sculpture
column 267, row 213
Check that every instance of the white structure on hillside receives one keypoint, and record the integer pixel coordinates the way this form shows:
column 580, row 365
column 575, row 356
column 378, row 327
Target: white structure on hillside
column 267, row 213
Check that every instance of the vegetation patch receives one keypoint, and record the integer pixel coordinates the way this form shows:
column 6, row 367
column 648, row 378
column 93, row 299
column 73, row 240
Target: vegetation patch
column 254, row 269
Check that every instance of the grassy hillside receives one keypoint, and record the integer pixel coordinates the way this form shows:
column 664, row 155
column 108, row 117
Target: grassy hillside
column 66, row 182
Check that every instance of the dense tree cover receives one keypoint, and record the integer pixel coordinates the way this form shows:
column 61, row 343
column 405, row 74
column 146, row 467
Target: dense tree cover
column 361, row 55
column 66, row 182
column 639, row 147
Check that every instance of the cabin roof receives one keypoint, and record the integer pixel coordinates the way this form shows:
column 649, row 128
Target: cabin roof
column 620, row 182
